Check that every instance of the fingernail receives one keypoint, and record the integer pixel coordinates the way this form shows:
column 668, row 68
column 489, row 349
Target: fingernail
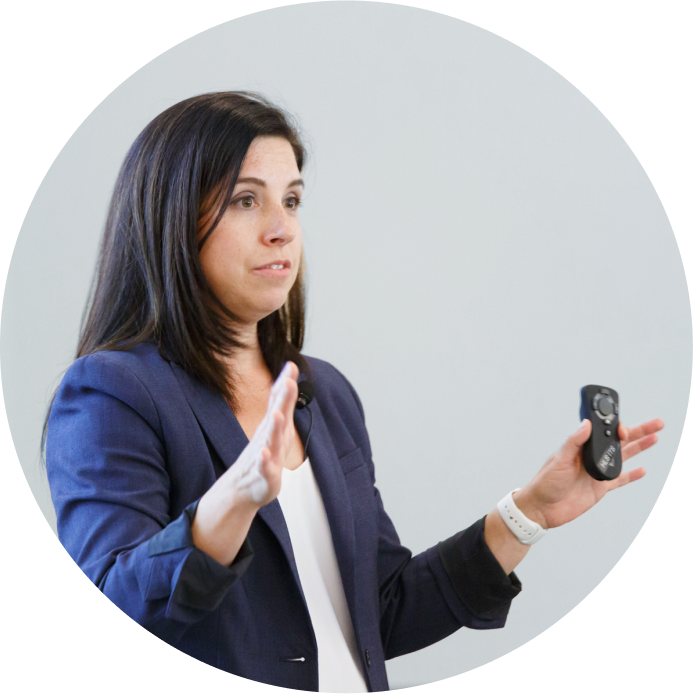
column 583, row 424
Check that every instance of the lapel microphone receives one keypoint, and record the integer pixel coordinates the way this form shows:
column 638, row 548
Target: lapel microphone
column 306, row 393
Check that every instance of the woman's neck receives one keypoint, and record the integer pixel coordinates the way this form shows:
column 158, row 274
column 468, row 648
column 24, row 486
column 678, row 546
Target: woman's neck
column 251, row 379
column 246, row 364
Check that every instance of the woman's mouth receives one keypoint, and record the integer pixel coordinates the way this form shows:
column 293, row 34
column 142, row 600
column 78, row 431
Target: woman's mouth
column 279, row 268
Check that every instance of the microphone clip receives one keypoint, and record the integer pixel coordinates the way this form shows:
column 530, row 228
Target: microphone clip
column 306, row 393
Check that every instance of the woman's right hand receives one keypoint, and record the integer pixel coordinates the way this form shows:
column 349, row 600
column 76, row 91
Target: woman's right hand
column 225, row 512
column 258, row 470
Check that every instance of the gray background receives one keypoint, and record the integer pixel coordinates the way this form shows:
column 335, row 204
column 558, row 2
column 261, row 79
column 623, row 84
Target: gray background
column 480, row 244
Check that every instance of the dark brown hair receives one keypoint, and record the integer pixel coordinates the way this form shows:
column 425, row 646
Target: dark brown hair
column 149, row 285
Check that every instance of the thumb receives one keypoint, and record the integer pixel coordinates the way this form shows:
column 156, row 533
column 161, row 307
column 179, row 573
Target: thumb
column 575, row 441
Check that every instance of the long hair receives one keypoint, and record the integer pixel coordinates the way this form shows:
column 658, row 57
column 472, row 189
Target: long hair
column 149, row 285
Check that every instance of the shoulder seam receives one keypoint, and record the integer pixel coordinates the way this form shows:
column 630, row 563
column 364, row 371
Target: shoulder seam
column 124, row 366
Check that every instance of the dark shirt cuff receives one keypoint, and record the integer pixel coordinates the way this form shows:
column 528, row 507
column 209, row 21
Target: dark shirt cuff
column 201, row 582
column 476, row 576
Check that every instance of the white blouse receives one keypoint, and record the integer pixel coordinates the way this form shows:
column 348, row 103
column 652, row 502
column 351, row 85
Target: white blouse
column 339, row 665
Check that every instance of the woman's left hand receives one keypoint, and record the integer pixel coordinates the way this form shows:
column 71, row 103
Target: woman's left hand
column 563, row 490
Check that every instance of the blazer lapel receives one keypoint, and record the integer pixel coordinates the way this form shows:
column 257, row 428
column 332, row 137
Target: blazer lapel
column 335, row 495
column 215, row 417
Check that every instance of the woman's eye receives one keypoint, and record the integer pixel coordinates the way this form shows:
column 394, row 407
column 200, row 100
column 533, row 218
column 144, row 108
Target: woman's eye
column 293, row 203
column 246, row 202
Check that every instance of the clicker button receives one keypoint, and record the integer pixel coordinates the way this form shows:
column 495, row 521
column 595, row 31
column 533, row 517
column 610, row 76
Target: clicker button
column 605, row 406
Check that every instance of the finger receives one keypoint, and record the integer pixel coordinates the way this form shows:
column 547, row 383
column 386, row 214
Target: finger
column 264, row 431
column 651, row 427
column 622, row 431
column 276, row 402
column 277, row 399
column 270, row 470
column 635, row 447
column 627, row 477
column 286, row 370
column 289, row 403
column 269, row 465
column 289, row 370
column 271, row 457
column 277, row 388
column 574, row 442
column 278, row 392
column 277, row 438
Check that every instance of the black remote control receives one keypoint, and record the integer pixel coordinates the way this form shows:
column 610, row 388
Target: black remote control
column 601, row 454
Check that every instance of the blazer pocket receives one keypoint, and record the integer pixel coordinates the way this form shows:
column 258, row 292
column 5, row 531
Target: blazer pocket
column 351, row 461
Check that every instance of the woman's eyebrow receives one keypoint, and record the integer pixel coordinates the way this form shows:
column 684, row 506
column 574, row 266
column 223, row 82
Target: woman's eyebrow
column 262, row 184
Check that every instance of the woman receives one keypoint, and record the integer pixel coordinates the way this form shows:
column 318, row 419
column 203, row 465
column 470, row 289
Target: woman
column 244, row 532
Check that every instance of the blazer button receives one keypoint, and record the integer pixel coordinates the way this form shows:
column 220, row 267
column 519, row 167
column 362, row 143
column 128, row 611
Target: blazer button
column 368, row 658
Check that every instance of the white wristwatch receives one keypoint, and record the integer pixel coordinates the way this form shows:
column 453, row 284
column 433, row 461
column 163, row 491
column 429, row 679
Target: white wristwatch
column 526, row 531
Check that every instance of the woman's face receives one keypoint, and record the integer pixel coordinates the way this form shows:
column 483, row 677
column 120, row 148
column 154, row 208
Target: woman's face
column 251, row 258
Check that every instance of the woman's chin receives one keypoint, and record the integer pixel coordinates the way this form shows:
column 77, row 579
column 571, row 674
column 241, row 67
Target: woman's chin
column 265, row 309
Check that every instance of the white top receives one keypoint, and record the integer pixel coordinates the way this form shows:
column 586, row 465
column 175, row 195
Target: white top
column 339, row 665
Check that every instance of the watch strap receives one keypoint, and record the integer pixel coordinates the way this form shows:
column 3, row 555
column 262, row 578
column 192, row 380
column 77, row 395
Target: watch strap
column 525, row 530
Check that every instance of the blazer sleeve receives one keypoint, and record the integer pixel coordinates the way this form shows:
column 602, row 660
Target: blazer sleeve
column 106, row 465
column 424, row 598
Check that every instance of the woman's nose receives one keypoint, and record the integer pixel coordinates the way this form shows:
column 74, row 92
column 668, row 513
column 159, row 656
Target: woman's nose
column 279, row 231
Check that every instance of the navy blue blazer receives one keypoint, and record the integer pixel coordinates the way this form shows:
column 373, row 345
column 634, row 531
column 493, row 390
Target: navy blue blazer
column 133, row 443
